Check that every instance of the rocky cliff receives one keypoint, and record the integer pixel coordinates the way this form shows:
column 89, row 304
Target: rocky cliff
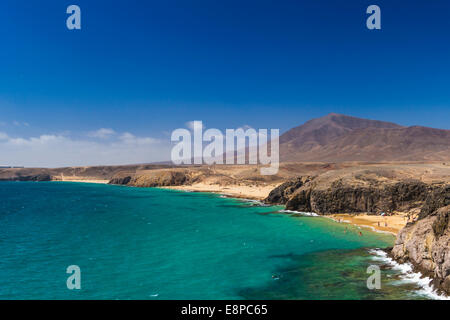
column 157, row 178
column 282, row 193
column 308, row 195
column 426, row 242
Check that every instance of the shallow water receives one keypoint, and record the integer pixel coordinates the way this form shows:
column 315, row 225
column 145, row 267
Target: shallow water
column 143, row 243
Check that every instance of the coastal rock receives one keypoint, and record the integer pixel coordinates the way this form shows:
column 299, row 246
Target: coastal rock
column 437, row 198
column 426, row 244
column 343, row 198
column 120, row 180
column 162, row 178
column 300, row 201
column 39, row 177
column 282, row 193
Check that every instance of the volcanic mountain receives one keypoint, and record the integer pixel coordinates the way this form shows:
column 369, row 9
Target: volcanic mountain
column 338, row 137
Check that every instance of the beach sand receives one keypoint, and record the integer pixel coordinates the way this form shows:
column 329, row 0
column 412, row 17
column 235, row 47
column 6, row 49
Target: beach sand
column 80, row 179
column 392, row 224
column 254, row 192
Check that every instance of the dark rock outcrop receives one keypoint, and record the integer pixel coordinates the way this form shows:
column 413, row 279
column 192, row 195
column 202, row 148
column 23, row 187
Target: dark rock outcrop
column 300, row 201
column 120, row 180
column 282, row 193
column 153, row 179
column 440, row 225
column 161, row 179
column 437, row 198
column 341, row 198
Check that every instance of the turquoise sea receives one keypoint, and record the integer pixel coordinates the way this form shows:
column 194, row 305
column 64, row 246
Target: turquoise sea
column 143, row 243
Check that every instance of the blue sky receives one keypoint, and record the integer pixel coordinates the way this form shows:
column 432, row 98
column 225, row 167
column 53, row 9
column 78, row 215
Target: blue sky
column 144, row 68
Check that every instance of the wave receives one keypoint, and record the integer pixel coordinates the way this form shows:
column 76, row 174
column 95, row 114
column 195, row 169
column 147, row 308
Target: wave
column 253, row 202
column 307, row 214
column 408, row 275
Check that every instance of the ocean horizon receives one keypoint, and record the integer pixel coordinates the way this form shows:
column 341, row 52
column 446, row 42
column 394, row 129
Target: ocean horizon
column 150, row 243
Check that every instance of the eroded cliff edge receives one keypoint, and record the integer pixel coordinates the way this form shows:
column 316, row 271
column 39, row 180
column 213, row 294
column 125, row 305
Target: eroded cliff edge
column 426, row 242
column 370, row 192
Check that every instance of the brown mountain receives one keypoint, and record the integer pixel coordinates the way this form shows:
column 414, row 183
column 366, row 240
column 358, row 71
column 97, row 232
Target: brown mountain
column 337, row 137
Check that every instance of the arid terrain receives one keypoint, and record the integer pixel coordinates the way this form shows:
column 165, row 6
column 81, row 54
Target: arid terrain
column 338, row 137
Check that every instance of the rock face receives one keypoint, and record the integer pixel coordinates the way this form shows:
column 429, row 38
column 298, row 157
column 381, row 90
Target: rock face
column 153, row 179
column 120, row 180
column 371, row 199
column 303, row 194
column 161, row 179
column 426, row 244
column 438, row 198
column 282, row 193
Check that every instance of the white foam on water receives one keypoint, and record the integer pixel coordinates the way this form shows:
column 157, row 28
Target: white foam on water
column 408, row 275
column 254, row 202
column 307, row 214
column 376, row 230
column 225, row 195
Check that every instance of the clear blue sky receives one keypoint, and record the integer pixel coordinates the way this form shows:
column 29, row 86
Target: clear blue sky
column 148, row 67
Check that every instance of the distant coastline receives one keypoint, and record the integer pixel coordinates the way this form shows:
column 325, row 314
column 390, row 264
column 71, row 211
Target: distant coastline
column 101, row 181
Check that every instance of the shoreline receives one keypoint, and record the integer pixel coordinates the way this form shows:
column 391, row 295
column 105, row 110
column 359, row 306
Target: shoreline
column 232, row 191
column 394, row 223
column 99, row 181
column 385, row 224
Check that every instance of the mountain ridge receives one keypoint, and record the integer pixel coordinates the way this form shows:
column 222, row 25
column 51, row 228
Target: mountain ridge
column 338, row 137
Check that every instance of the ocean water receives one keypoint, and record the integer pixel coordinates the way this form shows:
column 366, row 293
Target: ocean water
column 143, row 243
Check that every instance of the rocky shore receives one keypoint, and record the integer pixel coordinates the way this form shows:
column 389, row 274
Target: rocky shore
column 426, row 242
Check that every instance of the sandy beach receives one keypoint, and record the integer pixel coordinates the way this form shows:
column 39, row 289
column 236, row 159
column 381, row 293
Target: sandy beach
column 236, row 191
column 392, row 224
column 75, row 179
